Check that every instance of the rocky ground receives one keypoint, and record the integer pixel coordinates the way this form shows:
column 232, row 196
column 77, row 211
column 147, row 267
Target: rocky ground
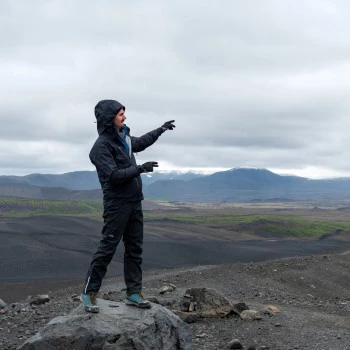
column 312, row 295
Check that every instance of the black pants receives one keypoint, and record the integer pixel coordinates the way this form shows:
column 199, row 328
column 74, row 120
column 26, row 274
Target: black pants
column 124, row 221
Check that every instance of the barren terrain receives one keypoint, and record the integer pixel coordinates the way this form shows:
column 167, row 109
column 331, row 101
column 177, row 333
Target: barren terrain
column 45, row 252
column 312, row 294
column 234, row 250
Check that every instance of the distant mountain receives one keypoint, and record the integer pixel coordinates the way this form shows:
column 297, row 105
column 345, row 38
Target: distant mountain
column 77, row 180
column 20, row 190
column 235, row 185
column 87, row 180
column 243, row 184
column 149, row 178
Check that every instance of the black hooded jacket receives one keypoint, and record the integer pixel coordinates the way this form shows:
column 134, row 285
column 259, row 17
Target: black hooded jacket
column 117, row 170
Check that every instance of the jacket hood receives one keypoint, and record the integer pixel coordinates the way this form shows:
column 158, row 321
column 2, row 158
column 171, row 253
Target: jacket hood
column 105, row 112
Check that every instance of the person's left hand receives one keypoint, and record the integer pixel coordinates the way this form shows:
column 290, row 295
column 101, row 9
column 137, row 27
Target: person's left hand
column 169, row 125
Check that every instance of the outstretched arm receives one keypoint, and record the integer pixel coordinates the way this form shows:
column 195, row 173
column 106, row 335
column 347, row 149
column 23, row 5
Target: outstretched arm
column 141, row 143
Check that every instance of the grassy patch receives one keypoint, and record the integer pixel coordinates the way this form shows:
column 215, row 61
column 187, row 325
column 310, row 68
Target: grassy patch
column 200, row 218
column 24, row 206
column 304, row 228
column 283, row 225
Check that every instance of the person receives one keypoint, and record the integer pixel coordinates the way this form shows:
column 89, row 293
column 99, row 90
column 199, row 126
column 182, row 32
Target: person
column 119, row 176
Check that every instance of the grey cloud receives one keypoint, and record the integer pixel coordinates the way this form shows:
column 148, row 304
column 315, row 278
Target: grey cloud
column 249, row 83
column 266, row 36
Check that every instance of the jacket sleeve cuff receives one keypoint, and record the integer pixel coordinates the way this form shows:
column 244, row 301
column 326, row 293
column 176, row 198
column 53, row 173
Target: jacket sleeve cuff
column 140, row 169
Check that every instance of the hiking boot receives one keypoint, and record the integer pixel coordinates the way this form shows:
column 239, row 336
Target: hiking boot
column 137, row 299
column 89, row 302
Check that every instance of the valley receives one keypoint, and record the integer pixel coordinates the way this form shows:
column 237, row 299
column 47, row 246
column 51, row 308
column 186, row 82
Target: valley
column 48, row 246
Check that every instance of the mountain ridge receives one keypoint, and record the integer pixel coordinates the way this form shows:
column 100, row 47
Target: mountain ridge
column 249, row 184
column 234, row 185
column 87, row 180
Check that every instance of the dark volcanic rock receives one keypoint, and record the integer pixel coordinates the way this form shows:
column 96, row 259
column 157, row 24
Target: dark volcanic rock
column 116, row 326
column 209, row 302
column 238, row 308
column 235, row 344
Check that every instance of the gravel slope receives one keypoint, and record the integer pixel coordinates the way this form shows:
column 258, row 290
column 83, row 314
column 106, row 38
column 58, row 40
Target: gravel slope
column 312, row 294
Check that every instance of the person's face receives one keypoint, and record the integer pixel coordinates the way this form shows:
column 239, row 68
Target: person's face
column 119, row 119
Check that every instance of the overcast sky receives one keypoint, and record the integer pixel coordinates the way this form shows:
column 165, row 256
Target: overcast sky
column 250, row 83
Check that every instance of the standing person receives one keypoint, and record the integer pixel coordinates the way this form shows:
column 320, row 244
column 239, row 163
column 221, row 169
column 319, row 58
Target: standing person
column 119, row 175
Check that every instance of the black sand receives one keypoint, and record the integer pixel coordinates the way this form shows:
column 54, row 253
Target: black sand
column 44, row 253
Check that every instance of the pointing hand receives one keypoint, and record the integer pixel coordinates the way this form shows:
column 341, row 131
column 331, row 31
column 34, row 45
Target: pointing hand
column 169, row 125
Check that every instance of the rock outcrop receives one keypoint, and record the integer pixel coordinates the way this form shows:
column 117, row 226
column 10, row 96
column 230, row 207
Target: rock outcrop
column 116, row 326
column 204, row 302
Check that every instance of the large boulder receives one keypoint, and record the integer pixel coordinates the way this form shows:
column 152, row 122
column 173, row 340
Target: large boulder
column 116, row 326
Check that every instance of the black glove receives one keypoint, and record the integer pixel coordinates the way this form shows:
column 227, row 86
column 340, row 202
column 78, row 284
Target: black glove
column 147, row 167
column 168, row 125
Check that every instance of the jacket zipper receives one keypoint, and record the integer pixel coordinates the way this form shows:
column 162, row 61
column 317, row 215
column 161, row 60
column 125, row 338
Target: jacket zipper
column 123, row 150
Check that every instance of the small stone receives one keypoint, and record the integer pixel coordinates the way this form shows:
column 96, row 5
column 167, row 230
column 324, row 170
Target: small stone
column 278, row 325
column 105, row 296
column 2, row 304
column 271, row 310
column 202, row 335
column 75, row 297
column 235, row 344
column 153, row 300
column 250, row 315
column 40, row 299
column 166, row 289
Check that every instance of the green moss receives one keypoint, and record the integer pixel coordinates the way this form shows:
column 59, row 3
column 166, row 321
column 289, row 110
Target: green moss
column 283, row 225
column 23, row 206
